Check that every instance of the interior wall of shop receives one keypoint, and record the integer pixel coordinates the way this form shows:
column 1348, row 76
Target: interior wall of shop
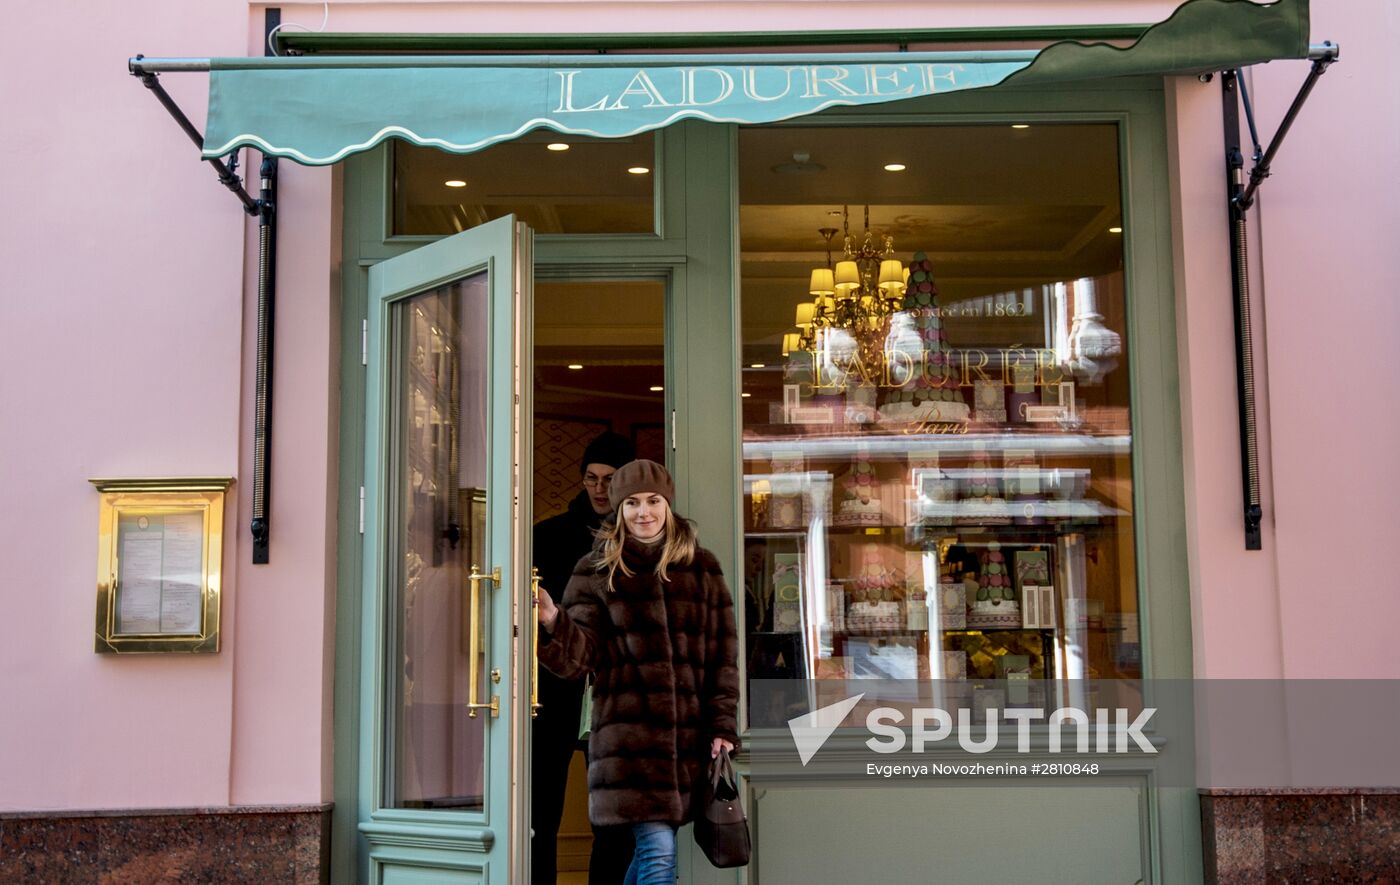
column 1314, row 603
column 127, row 352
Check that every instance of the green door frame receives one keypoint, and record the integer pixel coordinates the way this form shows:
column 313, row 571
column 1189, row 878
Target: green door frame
column 696, row 249
column 472, row 842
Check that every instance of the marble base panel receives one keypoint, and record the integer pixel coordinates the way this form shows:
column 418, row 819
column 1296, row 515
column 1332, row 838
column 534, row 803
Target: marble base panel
column 274, row 844
column 1300, row 837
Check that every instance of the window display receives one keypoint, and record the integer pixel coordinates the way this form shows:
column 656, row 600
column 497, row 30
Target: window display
column 937, row 452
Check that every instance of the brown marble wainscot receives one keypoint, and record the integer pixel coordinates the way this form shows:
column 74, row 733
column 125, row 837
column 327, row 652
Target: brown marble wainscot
column 264, row 844
column 1296, row 836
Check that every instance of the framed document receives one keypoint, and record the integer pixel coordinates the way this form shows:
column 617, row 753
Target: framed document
column 159, row 560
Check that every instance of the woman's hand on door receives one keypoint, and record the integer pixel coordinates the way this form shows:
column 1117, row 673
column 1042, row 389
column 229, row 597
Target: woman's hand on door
column 546, row 610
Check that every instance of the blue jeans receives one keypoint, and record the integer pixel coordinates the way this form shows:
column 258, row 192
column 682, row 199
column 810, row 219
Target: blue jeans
column 654, row 862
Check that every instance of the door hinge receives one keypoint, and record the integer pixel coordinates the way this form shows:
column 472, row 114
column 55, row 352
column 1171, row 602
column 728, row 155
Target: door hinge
column 673, row 430
column 362, row 510
column 364, row 342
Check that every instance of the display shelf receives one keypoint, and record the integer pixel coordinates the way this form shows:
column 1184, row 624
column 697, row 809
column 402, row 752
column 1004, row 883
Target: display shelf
column 1017, row 531
column 895, row 444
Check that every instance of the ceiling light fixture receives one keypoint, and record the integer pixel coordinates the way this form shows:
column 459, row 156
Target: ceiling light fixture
column 656, row 388
column 852, row 301
column 1020, row 125
column 638, row 170
column 557, row 146
column 801, row 165
column 1115, row 230
column 894, row 167
column 455, row 182
column 575, row 366
column 746, row 395
column 757, row 365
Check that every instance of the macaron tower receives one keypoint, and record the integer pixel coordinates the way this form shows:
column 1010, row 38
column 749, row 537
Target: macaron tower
column 994, row 604
column 930, row 391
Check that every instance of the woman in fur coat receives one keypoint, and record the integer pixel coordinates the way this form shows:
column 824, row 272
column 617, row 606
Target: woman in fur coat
column 649, row 614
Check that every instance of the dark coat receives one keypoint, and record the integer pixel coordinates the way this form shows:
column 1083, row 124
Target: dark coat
column 558, row 544
column 666, row 681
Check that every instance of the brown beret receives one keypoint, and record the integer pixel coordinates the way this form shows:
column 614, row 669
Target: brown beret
column 640, row 476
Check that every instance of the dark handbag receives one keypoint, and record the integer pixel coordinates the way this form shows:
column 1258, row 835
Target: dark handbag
column 721, row 827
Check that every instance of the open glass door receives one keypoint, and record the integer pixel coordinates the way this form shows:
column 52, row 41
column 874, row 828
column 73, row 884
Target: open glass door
column 445, row 699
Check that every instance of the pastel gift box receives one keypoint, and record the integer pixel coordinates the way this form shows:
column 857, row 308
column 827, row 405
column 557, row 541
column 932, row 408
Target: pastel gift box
column 785, row 506
column 952, row 606
column 954, row 666
column 787, row 592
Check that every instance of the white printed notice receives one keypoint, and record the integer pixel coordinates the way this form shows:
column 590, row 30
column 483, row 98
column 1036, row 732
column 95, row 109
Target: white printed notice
column 161, row 577
column 182, row 573
column 138, row 600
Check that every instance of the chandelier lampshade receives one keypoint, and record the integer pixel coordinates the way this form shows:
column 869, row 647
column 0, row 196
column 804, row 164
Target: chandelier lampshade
column 806, row 312
column 892, row 276
column 852, row 300
column 847, row 277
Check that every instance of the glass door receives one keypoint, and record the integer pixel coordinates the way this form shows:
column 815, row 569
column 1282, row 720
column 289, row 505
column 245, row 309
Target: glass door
column 445, row 698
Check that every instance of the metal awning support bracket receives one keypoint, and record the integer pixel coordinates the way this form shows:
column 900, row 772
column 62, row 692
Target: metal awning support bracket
column 228, row 177
column 1240, row 196
column 264, row 208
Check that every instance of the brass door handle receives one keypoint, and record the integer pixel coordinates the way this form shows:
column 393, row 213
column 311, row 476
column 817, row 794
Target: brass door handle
column 535, row 644
column 474, row 644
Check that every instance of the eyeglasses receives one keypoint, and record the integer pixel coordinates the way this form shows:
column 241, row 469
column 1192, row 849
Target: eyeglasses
column 597, row 482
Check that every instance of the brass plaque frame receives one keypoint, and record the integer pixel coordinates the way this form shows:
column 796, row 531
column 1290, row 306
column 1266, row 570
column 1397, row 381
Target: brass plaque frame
column 139, row 511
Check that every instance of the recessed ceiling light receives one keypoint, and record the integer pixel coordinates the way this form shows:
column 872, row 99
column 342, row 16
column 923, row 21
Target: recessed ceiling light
column 576, row 366
column 894, row 167
column 746, row 395
column 557, row 146
column 657, row 388
column 1115, row 230
column 801, row 165
column 455, row 182
column 756, row 365
column 638, row 170
column 1020, row 125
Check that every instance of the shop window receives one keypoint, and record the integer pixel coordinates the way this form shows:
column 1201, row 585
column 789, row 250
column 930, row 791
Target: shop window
column 937, row 442
column 558, row 184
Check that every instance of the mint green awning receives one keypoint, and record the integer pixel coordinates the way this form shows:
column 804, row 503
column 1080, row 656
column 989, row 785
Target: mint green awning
column 319, row 110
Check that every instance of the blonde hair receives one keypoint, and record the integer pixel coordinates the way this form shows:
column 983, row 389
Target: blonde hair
column 678, row 548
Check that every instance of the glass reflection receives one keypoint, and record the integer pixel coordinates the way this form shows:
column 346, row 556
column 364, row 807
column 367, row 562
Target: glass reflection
column 436, row 750
column 943, row 495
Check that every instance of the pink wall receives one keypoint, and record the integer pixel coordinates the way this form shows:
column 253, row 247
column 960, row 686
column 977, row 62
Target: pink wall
column 1316, row 602
column 1312, row 603
column 1331, row 224
column 126, row 353
column 662, row 16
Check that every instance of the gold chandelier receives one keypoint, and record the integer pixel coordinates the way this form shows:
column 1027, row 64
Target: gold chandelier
column 858, row 294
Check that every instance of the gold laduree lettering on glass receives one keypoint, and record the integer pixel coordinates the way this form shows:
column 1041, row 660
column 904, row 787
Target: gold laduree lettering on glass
column 585, row 90
column 969, row 366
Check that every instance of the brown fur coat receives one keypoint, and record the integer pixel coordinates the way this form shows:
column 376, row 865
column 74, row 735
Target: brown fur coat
column 666, row 679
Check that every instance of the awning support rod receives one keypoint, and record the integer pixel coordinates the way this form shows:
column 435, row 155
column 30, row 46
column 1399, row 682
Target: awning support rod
column 1262, row 166
column 1239, row 199
column 260, row 526
column 227, row 176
